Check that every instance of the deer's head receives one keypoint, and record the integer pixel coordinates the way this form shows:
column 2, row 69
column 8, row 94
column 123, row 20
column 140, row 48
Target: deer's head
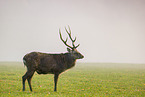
column 71, row 49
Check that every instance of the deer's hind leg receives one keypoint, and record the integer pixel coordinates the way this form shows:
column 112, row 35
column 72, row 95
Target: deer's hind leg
column 28, row 75
column 29, row 79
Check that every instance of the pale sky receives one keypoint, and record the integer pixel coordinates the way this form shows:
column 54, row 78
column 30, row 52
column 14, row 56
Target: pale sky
column 107, row 30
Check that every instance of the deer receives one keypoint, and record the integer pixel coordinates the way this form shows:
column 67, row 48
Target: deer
column 47, row 63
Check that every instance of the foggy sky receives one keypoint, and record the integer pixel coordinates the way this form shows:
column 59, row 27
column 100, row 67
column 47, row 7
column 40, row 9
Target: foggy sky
column 107, row 30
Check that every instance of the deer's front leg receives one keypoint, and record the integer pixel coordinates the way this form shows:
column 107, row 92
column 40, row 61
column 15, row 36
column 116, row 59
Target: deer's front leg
column 55, row 81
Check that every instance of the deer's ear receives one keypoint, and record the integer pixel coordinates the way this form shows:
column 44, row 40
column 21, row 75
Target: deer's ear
column 68, row 50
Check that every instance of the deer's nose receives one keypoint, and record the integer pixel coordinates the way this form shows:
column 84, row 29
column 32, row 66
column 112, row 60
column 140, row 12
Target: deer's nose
column 82, row 57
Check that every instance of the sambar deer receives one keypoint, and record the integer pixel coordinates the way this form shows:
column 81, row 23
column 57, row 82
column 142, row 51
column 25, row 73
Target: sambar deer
column 45, row 63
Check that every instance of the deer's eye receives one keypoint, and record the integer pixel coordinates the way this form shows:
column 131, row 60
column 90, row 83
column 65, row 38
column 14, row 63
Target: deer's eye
column 76, row 54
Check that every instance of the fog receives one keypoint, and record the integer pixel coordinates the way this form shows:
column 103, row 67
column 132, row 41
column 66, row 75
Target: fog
column 107, row 30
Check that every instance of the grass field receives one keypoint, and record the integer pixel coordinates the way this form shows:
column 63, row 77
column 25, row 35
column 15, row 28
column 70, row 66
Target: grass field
column 84, row 80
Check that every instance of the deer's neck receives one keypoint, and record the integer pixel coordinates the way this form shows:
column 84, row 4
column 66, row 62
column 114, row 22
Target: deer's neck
column 70, row 61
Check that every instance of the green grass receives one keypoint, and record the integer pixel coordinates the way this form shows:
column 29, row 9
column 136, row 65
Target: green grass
column 84, row 80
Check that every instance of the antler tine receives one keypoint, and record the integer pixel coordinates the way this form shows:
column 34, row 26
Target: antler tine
column 69, row 29
column 69, row 33
column 65, row 40
column 77, row 45
column 74, row 39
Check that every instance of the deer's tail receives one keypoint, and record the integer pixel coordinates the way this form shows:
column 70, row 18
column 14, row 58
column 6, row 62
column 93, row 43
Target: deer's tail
column 24, row 61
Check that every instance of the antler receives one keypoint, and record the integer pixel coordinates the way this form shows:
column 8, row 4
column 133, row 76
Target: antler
column 63, row 40
column 69, row 34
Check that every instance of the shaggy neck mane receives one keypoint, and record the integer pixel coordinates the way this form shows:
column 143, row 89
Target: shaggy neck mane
column 65, row 59
column 69, row 60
